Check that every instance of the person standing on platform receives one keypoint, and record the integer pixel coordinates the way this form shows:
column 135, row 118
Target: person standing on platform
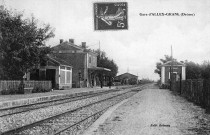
column 110, row 82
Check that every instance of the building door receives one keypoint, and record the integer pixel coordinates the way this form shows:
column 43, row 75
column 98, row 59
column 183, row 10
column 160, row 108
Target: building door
column 50, row 75
column 174, row 77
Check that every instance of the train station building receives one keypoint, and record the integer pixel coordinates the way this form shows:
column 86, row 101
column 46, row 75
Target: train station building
column 174, row 69
column 126, row 78
column 85, row 72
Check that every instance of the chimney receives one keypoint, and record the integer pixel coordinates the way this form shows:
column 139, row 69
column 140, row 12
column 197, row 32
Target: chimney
column 71, row 41
column 84, row 45
column 61, row 41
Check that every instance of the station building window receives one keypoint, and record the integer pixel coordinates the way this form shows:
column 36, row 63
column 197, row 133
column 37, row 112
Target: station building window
column 65, row 75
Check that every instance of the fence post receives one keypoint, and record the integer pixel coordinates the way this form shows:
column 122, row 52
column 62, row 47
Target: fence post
column 191, row 93
column 201, row 93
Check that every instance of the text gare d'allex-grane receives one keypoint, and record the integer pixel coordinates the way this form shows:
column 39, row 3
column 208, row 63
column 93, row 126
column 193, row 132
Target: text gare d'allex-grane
column 166, row 14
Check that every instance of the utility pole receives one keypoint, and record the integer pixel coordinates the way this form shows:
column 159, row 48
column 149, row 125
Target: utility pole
column 137, row 78
column 171, row 69
column 99, row 48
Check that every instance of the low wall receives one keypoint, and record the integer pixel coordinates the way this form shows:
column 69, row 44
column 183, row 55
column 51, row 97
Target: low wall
column 14, row 84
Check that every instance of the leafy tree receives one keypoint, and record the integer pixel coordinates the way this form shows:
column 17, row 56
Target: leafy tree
column 197, row 71
column 193, row 70
column 22, row 43
column 132, row 81
column 205, row 70
column 104, row 61
column 162, row 61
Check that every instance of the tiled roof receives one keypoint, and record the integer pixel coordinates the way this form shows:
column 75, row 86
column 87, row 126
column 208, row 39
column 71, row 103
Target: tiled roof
column 58, row 60
column 67, row 46
column 70, row 46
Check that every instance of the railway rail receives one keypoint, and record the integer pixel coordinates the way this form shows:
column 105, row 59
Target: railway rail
column 24, row 108
column 88, row 120
column 69, row 121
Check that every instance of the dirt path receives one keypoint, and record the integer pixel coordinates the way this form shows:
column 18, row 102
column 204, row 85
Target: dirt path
column 153, row 112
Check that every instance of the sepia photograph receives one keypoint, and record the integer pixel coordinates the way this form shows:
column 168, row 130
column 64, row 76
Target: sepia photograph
column 104, row 67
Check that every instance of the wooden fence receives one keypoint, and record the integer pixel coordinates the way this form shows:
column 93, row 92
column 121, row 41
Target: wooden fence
column 197, row 91
column 14, row 84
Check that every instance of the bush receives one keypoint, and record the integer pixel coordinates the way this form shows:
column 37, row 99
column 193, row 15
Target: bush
column 164, row 86
column 12, row 91
column 9, row 91
column 132, row 81
column 36, row 90
column 159, row 82
column 5, row 92
column 40, row 90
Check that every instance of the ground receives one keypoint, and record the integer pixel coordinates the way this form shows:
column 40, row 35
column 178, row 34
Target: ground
column 153, row 111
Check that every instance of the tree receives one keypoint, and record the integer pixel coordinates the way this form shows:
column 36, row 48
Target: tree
column 162, row 61
column 104, row 61
column 205, row 70
column 22, row 43
column 197, row 71
column 193, row 70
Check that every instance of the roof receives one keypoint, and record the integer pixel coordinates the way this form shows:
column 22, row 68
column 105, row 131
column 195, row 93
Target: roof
column 126, row 75
column 58, row 61
column 67, row 46
column 99, row 68
column 175, row 63
column 70, row 46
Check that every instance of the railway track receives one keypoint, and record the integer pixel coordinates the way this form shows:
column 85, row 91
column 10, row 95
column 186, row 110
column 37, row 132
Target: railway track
column 58, row 124
column 82, row 124
column 24, row 108
column 69, row 121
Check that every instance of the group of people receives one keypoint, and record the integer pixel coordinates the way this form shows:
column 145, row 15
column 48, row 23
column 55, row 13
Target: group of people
column 101, row 80
column 109, row 83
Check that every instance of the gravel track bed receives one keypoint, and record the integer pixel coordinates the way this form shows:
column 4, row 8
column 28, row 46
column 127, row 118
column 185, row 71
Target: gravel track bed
column 21, row 119
column 79, row 129
column 42, row 105
column 54, row 125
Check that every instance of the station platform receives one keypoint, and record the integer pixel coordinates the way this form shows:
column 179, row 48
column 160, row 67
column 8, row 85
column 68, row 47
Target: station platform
column 8, row 101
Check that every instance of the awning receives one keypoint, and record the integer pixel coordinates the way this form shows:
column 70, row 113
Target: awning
column 99, row 68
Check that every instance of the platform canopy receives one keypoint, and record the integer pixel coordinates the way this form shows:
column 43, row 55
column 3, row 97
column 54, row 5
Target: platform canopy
column 99, row 68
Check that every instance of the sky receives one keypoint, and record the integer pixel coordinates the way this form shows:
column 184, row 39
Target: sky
column 147, row 39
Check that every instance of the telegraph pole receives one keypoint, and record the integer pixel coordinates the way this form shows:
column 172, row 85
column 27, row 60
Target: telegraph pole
column 171, row 70
column 99, row 45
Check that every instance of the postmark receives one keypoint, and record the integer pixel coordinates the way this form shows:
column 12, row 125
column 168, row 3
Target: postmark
column 110, row 16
